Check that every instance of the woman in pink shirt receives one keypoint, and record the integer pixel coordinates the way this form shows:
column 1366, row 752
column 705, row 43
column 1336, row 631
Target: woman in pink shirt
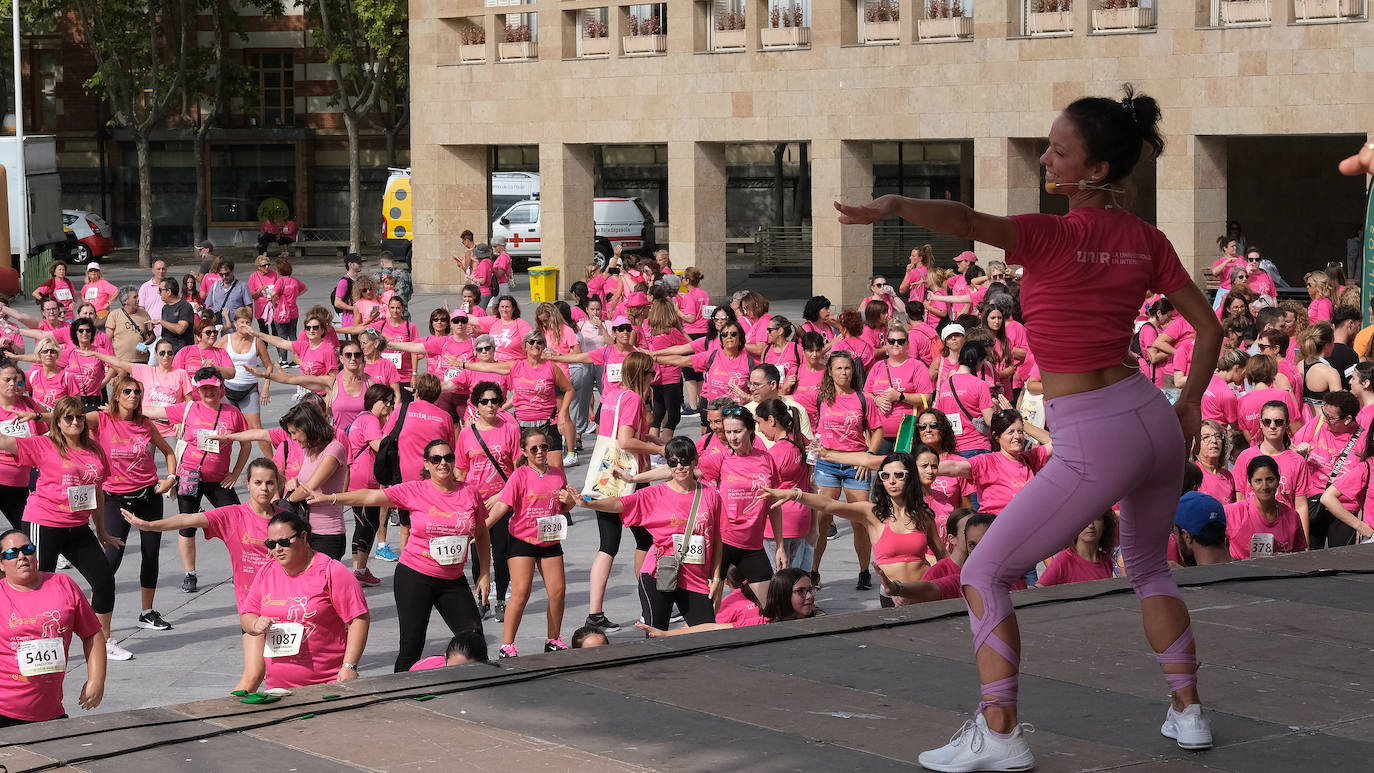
column 1261, row 524
column 665, row 331
column 314, row 352
column 1212, row 452
column 488, row 448
column 284, row 294
column 1347, row 499
column 665, row 511
column 1276, row 443
column 260, row 289
column 205, row 352
column 47, row 381
column 1007, row 355
column 782, row 350
column 919, row 264
column 816, row 318
column 18, row 418
column 242, row 528
column 791, row 596
column 754, row 316
column 67, row 500
column 448, row 344
column 1260, row 371
column 1319, row 290
column 39, row 613
column 998, row 476
column 537, row 525
column 59, row 288
column 1088, row 558
column 852, row 340
column 882, row 292
column 448, row 522
column 163, row 383
column 379, row 365
column 723, row 369
column 691, row 303
column 809, row 375
column 129, row 439
column 847, row 420
column 323, row 471
column 343, row 391
column 509, row 330
column 88, row 372
column 540, row 393
column 780, row 425
column 899, row 384
column 1093, row 392
column 309, row 609
column 964, row 398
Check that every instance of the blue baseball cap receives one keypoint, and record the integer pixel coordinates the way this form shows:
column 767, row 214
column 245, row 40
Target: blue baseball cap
column 1197, row 510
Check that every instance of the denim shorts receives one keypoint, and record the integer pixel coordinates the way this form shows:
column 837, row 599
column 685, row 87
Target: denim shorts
column 831, row 475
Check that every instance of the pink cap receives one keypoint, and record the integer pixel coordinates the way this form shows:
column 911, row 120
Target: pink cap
column 968, row 255
column 637, row 299
column 621, row 320
column 208, row 381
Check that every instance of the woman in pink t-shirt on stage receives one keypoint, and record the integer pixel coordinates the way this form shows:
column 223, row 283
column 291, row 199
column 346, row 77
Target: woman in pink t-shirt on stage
column 1117, row 438
column 308, row 607
column 538, row 525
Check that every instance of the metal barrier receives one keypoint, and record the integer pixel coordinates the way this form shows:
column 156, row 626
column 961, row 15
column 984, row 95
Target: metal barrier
column 36, row 271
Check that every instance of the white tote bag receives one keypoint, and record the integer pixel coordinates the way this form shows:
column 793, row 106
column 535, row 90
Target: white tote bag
column 607, row 457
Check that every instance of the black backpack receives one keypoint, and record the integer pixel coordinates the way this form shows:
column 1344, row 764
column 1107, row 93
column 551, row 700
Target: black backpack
column 348, row 294
column 386, row 467
column 1139, row 351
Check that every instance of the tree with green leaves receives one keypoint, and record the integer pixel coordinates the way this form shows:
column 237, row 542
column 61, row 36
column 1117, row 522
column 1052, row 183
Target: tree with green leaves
column 140, row 51
column 365, row 40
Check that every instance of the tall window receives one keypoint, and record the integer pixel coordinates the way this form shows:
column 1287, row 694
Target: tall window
column 274, row 74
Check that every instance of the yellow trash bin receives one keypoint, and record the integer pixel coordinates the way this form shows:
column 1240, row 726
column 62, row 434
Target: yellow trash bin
column 543, row 284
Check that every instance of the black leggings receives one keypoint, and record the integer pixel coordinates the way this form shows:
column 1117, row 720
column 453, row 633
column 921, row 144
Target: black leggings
column 331, row 545
column 667, row 405
column 417, row 595
column 500, row 553
column 218, row 495
column 365, row 523
column 609, row 527
column 79, row 545
column 148, row 506
column 12, row 501
column 696, row 608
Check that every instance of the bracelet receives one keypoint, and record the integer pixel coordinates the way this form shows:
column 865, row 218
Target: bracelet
column 797, row 495
column 351, row 667
column 334, row 501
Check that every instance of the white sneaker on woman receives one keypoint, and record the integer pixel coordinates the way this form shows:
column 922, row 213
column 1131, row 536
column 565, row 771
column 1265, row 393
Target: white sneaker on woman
column 975, row 747
column 1189, row 727
column 115, row 652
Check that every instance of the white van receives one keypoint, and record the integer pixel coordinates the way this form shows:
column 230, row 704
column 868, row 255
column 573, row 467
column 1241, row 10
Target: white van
column 623, row 221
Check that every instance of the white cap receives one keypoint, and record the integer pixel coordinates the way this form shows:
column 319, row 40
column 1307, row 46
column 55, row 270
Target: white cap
column 93, row 266
column 953, row 329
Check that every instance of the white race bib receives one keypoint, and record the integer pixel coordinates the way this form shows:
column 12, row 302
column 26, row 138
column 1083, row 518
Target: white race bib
column 81, row 497
column 956, row 423
column 204, row 441
column 63, row 294
column 283, row 640
column 782, row 372
column 90, row 293
column 41, row 656
column 452, row 374
column 696, row 549
column 1261, row 545
column 613, row 372
column 448, row 550
column 552, row 528
column 393, row 357
column 15, row 428
column 707, row 311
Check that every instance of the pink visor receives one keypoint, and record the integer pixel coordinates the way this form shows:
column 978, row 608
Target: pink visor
column 208, row 381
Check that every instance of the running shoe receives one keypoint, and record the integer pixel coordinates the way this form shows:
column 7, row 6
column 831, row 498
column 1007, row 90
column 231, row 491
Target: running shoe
column 63, row 563
column 687, row 412
column 507, row 651
column 115, row 652
column 675, row 619
column 865, row 581
column 832, row 532
column 486, row 610
column 500, row 610
column 570, row 459
column 366, row 577
column 188, row 583
column 816, row 580
column 1189, row 727
column 153, row 621
column 599, row 620
column 554, row 645
column 385, row 552
column 975, row 747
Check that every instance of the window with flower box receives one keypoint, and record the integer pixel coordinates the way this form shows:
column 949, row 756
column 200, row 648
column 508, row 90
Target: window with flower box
column 520, row 40
column 646, row 29
column 788, row 24
column 880, row 22
column 1047, row 17
column 1123, row 15
column 727, row 30
column 946, row 20
column 593, row 33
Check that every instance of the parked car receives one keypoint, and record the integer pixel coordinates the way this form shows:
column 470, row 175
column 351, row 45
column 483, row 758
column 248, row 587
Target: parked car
column 88, row 235
column 623, row 221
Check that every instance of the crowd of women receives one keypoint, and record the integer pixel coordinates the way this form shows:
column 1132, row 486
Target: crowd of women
column 917, row 415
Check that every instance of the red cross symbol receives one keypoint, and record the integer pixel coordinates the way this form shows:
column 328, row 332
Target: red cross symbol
column 516, row 241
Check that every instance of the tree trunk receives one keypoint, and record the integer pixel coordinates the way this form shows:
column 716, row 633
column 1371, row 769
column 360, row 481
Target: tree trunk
column 198, row 219
column 355, row 225
column 145, row 200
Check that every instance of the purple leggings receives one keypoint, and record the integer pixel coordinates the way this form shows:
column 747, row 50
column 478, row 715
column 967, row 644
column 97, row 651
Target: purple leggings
column 1121, row 444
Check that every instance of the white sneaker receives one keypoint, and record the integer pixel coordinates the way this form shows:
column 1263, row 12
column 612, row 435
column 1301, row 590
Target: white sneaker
column 1189, row 727
column 570, row 459
column 115, row 652
column 657, row 460
column 975, row 747
column 63, row 563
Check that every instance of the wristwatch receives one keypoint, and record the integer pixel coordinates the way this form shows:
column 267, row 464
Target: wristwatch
column 351, row 667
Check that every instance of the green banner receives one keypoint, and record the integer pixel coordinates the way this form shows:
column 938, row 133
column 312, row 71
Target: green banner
column 1367, row 286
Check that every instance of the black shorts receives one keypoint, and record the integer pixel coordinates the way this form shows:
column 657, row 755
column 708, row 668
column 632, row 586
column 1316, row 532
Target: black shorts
column 753, row 564
column 520, row 548
column 551, row 434
column 403, row 517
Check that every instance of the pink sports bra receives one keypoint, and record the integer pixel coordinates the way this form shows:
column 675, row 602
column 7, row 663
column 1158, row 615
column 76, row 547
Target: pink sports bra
column 895, row 548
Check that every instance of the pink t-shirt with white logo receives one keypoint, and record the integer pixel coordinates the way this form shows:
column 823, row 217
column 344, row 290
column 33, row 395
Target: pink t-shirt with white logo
column 12, row 473
column 664, row 512
column 1244, row 521
column 844, row 422
column 692, row 302
column 738, row 479
column 324, row 599
column 910, row 377
column 162, row 388
column 724, row 371
column 222, row 420
column 56, row 610
column 536, row 395
column 504, row 442
column 1251, row 405
column 998, row 478
column 1219, row 402
column 424, row 421
column 58, row 477
column 531, row 496
column 1292, row 474
column 435, row 513
column 47, row 390
column 129, row 448
column 243, row 532
column 193, row 358
column 1069, row 567
column 973, row 396
column 316, row 361
column 793, row 472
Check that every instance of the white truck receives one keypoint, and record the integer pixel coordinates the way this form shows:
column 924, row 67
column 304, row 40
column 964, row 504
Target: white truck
column 44, row 194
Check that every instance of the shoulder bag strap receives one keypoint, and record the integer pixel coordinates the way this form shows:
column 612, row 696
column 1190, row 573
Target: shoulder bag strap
column 499, row 470
column 1345, row 452
column 691, row 524
column 960, row 403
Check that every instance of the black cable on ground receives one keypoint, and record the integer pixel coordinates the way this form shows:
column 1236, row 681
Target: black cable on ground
column 465, row 685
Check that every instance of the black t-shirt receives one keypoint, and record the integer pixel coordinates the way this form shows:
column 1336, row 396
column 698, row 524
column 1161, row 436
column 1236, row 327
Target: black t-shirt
column 180, row 311
column 1343, row 359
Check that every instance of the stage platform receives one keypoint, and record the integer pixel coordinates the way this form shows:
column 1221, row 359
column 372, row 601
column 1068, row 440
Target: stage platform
column 1288, row 678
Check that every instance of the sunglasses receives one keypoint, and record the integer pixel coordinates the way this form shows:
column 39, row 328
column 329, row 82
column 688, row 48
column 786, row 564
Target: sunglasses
column 483, row 348
column 440, row 458
column 74, row 418
column 285, row 542
column 622, row 329
column 223, row 273
column 880, row 284
column 805, row 590
column 896, row 341
column 165, row 353
column 48, row 351
column 210, row 332
column 314, row 327
column 489, row 401
column 538, row 448
column 679, row 461
column 1273, row 422
column 730, row 334
column 12, row 553
column 733, row 412
column 928, row 425
column 536, row 344
column 85, row 331
column 127, row 392
column 351, row 355
column 894, row 475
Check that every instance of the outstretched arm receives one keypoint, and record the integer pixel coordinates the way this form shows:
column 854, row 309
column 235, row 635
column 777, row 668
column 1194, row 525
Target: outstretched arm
column 947, row 217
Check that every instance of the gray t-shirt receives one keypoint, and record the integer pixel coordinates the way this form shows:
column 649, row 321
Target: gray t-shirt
column 180, row 311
